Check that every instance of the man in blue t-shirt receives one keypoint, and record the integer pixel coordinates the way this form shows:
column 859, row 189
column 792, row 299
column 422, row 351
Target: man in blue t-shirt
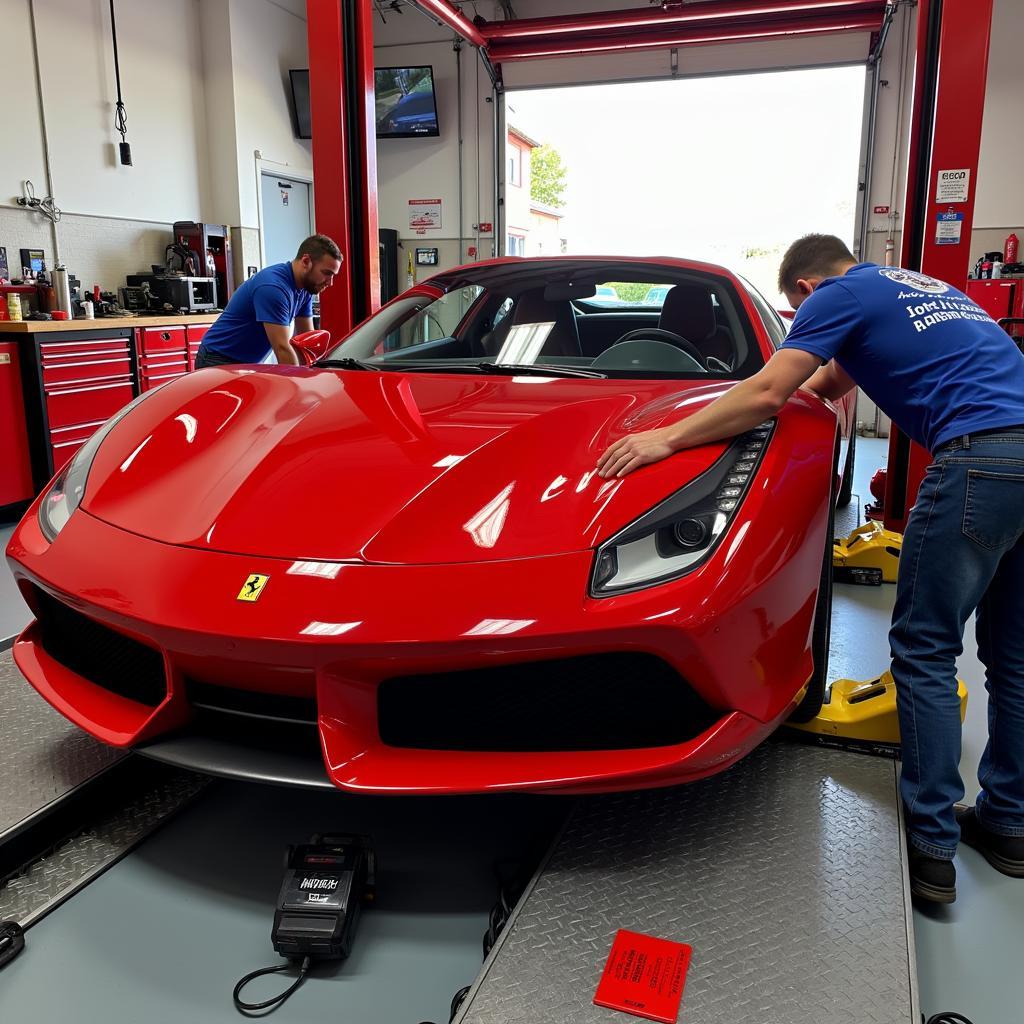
column 952, row 380
column 270, row 307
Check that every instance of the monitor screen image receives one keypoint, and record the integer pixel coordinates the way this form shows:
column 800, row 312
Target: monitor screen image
column 405, row 103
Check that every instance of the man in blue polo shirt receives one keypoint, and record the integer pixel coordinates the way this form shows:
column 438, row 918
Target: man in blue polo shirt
column 952, row 380
column 270, row 307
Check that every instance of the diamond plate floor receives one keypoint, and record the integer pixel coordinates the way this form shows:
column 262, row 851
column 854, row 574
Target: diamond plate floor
column 43, row 756
column 785, row 874
column 75, row 862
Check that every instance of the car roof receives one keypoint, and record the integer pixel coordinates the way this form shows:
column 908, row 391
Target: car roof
column 540, row 270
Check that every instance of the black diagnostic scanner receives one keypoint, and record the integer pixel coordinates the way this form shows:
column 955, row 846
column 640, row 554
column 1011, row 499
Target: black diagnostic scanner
column 325, row 886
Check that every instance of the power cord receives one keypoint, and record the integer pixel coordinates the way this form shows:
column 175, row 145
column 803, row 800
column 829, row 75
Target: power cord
column 509, row 890
column 947, row 1017
column 269, row 1004
column 46, row 206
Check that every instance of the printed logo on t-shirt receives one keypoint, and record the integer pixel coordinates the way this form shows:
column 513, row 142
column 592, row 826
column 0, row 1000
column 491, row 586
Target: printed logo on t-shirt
column 919, row 282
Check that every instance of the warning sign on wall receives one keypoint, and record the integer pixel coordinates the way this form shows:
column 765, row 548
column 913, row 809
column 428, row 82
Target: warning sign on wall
column 953, row 186
column 424, row 213
column 949, row 228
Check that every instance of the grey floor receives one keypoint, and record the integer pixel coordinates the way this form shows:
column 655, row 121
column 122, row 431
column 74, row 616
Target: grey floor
column 427, row 942
column 14, row 614
column 968, row 954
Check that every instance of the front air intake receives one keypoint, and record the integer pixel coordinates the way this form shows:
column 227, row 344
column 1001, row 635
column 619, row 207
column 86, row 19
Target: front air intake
column 101, row 655
column 616, row 701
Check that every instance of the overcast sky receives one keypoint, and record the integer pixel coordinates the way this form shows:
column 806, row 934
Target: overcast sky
column 705, row 168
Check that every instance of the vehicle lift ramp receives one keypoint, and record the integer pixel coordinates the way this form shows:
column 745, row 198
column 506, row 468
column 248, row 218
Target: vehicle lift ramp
column 785, row 874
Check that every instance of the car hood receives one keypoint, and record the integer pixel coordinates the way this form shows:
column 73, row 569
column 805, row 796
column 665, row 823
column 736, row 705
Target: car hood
column 326, row 465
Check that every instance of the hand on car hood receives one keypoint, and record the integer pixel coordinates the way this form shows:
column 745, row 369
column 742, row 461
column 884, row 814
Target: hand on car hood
column 387, row 467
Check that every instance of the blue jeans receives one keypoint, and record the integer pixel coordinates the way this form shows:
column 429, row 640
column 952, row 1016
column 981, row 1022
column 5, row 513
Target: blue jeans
column 963, row 551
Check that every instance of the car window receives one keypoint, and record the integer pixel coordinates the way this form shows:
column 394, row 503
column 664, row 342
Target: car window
column 626, row 295
column 439, row 319
column 501, row 312
column 528, row 313
column 772, row 321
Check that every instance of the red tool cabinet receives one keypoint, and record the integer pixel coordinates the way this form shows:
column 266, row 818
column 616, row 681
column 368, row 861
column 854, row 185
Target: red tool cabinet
column 82, row 378
column 15, row 465
column 74, row 379
column 1001, row 298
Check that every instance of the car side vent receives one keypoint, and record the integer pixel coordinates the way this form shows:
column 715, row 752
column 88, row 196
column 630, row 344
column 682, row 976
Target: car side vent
column 101, row 655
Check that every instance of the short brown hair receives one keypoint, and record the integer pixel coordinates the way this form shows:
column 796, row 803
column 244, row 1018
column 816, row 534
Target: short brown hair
column 812, row 256
column 317, row 246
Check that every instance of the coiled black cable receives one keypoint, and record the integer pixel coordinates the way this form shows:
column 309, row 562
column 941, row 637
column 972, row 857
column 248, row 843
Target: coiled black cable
column 269, row 1004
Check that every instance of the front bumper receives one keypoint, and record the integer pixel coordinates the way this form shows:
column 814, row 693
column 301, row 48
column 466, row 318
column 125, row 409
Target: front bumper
column 334, row 634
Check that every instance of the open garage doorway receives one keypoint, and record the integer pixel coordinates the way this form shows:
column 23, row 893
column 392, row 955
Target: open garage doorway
column 728, row 169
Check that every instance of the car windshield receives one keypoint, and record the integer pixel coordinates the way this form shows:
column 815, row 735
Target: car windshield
column 561, row 318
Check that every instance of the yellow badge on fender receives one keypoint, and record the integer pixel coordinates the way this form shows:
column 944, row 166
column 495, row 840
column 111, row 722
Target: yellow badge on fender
column 253, row 587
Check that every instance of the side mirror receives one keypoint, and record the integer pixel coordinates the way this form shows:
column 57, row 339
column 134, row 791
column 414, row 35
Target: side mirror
column 311, row 346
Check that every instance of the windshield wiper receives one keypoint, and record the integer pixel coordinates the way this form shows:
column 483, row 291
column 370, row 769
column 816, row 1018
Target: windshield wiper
column 493, row 369
column 346, row 363
column 538, row 370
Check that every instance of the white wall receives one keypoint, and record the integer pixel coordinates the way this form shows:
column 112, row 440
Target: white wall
column 428, row 168
column 1000, row 194
column 161, row 82
column 266, row 41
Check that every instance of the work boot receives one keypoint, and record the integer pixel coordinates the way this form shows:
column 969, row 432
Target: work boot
column 931, row 878
column 1004, row 853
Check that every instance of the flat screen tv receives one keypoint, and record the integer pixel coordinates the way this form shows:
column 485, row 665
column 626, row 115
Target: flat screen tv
column 300, row 101
column 406, row 106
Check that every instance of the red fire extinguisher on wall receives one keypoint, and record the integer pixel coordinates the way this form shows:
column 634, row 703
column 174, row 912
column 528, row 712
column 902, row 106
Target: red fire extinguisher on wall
column 1010, row 248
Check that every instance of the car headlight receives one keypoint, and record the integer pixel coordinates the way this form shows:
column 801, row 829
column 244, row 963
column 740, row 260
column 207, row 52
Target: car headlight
column 680, row 533
column 65, row 493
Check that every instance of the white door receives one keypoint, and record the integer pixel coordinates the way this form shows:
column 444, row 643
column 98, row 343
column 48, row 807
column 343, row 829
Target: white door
column 287, row 216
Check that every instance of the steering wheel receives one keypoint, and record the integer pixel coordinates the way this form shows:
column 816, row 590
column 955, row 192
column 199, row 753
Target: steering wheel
column 657, row 334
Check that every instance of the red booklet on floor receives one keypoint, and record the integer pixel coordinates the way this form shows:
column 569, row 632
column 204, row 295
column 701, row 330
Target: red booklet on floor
column 644, row 976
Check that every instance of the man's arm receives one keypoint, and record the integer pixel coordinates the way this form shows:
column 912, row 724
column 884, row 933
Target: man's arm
column 279, row 336
column 303, row 324
column 741, row 408
column 831, row 382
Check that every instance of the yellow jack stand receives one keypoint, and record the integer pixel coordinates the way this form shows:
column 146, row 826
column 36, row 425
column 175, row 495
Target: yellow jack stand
column 870, row 555
column 863, row 714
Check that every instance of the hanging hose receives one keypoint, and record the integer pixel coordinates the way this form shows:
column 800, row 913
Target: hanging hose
column 120, row 115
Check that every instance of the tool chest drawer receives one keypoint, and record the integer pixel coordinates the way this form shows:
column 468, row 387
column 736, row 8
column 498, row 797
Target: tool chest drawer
column 195, row 339
column 68, row 407
column 154, row 370
column 65, row 441
column 84, row 362
column 153, row 340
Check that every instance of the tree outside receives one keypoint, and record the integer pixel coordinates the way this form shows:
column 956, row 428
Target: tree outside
column 547, row 176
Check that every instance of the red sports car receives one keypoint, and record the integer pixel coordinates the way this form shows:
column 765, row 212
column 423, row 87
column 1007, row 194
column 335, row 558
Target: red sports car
column 400, row 557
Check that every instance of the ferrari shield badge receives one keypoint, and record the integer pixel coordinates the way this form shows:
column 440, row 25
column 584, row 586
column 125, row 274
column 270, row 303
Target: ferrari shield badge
column 253, row 587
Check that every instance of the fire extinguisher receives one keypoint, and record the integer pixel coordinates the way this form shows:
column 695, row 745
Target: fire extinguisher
column 1010, row 248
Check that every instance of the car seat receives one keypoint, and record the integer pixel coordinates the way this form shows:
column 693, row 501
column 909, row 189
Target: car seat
column 532, row 308
column 689, row 311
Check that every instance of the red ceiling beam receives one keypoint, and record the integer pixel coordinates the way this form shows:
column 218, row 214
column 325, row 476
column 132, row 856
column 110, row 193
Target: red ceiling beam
column 656, row 18
column 528, row 49
column 444, row 11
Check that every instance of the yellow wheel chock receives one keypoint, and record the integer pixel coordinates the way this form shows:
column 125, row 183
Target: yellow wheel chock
column 870, row 555
column 863, row 714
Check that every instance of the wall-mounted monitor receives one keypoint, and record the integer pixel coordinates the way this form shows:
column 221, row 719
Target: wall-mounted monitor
column 406, row 106
column 300, row 103
column 405, row 103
